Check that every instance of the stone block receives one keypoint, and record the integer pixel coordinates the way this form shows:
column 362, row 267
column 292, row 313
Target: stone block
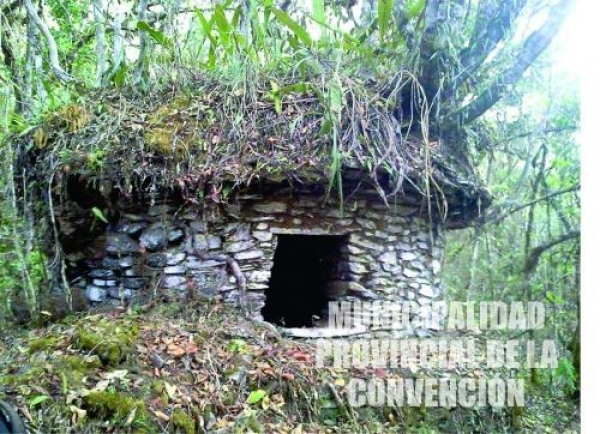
column 249, row 254
column 270, row 207
column 239, row 246
column 95, row 294
column 262, row 235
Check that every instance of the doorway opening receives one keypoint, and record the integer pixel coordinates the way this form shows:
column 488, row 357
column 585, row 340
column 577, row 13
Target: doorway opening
column 303, row 268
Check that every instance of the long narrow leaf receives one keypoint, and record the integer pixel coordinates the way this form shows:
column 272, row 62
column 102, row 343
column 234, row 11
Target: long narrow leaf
column 299, row 31
column 206, row 27
column 157, row 35
column 384, row 15
column 223, row 26
column 318, row 12
column 336, row 98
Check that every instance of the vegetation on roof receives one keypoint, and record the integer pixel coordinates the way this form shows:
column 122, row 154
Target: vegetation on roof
column 208, row 130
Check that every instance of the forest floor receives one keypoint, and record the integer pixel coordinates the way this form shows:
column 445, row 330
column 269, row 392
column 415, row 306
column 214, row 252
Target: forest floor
column 202, row 367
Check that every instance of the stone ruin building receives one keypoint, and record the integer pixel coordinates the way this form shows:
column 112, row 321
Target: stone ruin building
column 170, row 195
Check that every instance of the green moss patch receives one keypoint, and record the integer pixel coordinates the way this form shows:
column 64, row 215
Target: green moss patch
column 114, row 405
column 27, row 374
column 111, row 346
column 72, row 369
column 44, row 343
column 183, row 422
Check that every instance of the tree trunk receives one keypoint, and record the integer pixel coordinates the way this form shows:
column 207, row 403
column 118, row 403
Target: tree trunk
column 28, row 72
column 141, row 71
column 100, row 42
column 118, row 55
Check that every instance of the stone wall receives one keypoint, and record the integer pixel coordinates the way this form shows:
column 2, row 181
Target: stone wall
column 390, row 254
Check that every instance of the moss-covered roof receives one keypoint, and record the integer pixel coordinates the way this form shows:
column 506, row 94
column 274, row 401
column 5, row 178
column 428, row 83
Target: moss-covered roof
column 214, row 132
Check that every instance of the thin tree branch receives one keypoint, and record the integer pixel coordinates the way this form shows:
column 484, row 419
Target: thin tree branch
column 117, row 54
column 30, row 54
column 533, row 46
column 536, row 132
column 534, row 256
column 100, row 42
column 511, row 211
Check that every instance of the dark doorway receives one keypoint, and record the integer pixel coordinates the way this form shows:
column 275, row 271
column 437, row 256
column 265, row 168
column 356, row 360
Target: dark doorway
column 303, row 267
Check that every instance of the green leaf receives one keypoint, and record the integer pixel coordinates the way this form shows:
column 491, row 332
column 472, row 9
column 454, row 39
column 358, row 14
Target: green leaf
column 38, row 400
column 48, row 87
column 119, row 77
column 98, row 214
column 223, row 25
column 212, row 58
column 348, row 40
column 318, row 7
column 414, row 8
column 296, row 87
column 237, row 15
column 157, row 35
column 226, row 191
column 237, row 345
column 553, row 298
column 326, row 127
column 206, row 27
column 294, row 42
column 299, row 31
column 384, row 15
column 256, row 396
column 336, row 97
column 18, row 124
column 335, row 165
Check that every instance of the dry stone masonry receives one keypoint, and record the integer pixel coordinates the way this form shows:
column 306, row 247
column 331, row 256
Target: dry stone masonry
column 383, row 253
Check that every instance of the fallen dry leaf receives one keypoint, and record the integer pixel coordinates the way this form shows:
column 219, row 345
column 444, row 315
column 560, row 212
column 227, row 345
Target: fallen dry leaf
column 159, row 414
column 171, row 390
column 175, row 350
